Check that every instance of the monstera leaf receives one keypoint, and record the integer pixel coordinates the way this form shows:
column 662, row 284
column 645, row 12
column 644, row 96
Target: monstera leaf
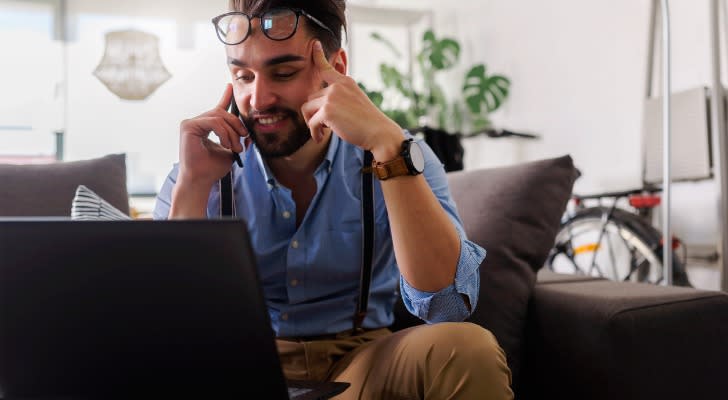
column 481, row 90
column 441, row 54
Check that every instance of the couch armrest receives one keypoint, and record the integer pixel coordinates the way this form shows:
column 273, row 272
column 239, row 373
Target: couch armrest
column 611, row 340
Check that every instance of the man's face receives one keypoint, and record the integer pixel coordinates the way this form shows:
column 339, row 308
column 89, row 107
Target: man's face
column 272, row 80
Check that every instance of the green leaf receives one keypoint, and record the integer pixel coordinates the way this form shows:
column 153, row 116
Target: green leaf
column 437, row 97
column 381, row 39
column 496, row 92
column 481, row 90
column 405, row 119
column 375, row 96
column 392, row 78
column 389, row 75
column 457, row 118
column 429, row 37
column 480, row 123
column 440, row 54
column 445, row 54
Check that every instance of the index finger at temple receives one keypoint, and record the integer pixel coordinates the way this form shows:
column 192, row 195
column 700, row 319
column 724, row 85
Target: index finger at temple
column 328, row 72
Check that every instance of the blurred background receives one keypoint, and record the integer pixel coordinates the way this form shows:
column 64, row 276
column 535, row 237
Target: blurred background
column 576, row 73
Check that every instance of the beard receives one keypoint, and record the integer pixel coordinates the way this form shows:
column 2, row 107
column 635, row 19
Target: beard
column 282, row 144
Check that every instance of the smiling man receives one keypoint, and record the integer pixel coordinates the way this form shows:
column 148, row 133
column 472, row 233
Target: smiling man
column 300, row 193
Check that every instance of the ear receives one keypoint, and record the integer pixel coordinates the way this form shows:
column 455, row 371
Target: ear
column 339, row 61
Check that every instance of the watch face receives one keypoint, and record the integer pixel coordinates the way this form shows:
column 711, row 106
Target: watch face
column 417, row 157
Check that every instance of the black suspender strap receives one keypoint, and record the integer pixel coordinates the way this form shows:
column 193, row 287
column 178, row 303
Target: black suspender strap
column 367, row 201
column 227, row 202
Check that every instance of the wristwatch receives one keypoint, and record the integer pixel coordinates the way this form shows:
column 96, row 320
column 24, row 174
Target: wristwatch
column 411, row 161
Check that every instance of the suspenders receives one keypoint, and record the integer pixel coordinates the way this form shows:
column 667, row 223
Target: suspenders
column 367, row 220
column 227, row 197
column 227, row 208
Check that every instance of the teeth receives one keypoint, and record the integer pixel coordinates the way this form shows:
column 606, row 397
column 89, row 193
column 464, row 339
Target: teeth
column 270, row 120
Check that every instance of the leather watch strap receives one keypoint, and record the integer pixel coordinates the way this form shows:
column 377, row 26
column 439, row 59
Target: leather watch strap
column 390, row 169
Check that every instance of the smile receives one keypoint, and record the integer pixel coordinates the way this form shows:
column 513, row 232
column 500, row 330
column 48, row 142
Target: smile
column 270, row 120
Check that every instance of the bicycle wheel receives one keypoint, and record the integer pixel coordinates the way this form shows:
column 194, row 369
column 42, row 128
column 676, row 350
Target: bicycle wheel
column 621, row 248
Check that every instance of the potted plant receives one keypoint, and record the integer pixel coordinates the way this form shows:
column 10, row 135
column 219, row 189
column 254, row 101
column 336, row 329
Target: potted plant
column 413, row 106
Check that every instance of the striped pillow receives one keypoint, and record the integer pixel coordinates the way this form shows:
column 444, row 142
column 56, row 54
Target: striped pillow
column 88, row 206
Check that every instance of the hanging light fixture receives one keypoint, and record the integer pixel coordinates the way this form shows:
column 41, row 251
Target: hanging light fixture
column 131, row 67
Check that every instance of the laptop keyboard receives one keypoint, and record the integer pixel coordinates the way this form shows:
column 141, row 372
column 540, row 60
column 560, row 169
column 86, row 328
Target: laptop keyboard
column 294, row 391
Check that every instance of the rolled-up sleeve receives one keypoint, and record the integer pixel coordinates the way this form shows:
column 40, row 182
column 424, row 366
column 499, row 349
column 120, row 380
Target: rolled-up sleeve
column 163, row 203
column 447, row 304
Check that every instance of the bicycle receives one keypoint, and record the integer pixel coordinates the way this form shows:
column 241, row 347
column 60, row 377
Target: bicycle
column 614, row 242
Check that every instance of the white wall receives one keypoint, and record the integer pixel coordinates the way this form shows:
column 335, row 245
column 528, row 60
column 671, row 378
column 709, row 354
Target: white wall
column 99, row 123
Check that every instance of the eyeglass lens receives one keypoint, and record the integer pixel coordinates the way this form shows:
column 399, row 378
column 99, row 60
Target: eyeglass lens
column 277, row 24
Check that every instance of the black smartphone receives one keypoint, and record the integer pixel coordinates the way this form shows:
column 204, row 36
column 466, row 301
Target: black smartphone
column 234, row 108
column 234, row 111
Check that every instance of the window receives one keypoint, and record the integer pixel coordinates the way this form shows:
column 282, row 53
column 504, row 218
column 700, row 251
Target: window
column 31, row 78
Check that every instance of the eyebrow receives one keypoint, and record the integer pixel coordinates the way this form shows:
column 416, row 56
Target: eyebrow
column 273, row 61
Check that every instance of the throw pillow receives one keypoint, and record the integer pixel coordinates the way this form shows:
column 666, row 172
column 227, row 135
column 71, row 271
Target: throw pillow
column 48, row 189
column 88, row 206
column 514, row 212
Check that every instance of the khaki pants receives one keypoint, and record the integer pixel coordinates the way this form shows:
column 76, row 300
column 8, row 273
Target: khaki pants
column 439, row 361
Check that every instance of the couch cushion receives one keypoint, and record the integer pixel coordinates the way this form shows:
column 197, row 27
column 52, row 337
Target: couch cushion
column 546, row 276
column 617, row 340
column 48, row 189
column 514, row 213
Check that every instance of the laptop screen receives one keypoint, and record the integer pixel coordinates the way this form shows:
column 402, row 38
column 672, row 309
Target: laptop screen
column 113, row 308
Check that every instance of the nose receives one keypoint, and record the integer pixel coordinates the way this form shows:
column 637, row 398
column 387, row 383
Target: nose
column 261, row 95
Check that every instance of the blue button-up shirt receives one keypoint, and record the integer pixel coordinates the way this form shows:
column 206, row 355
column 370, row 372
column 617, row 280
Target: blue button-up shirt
column 310, row 274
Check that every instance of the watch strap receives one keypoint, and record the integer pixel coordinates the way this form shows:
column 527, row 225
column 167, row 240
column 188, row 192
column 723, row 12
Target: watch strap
column 389, row 169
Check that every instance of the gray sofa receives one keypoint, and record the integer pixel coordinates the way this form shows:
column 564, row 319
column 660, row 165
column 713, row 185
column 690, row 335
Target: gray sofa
column 565, row 337
column 47, row 190
column 568, row 337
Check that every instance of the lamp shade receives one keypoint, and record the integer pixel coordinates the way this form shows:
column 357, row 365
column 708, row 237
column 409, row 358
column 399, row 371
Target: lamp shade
column 131, row 67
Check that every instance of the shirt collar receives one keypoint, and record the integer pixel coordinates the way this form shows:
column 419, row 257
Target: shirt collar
column 331, row 152
column 327, row 162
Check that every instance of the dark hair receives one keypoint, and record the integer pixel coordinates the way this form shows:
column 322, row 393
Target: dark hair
column 330, row 12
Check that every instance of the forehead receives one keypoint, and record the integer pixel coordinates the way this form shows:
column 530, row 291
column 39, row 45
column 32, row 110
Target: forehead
column 258, row 48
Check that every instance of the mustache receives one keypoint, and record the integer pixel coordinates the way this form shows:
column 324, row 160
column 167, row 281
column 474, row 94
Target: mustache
column 271, row 111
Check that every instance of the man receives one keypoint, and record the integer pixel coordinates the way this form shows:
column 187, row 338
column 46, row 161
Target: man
column 300, row 193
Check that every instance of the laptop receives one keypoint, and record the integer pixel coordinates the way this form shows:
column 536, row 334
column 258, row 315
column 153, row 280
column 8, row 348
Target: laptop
column 123, row 309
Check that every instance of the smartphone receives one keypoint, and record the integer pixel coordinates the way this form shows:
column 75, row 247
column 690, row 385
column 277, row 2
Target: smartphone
column 234, row 111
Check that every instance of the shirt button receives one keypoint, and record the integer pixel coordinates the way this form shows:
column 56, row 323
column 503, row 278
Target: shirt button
column 284, row 317
column 286, row 214
column 294, row 282
column 294, row 244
